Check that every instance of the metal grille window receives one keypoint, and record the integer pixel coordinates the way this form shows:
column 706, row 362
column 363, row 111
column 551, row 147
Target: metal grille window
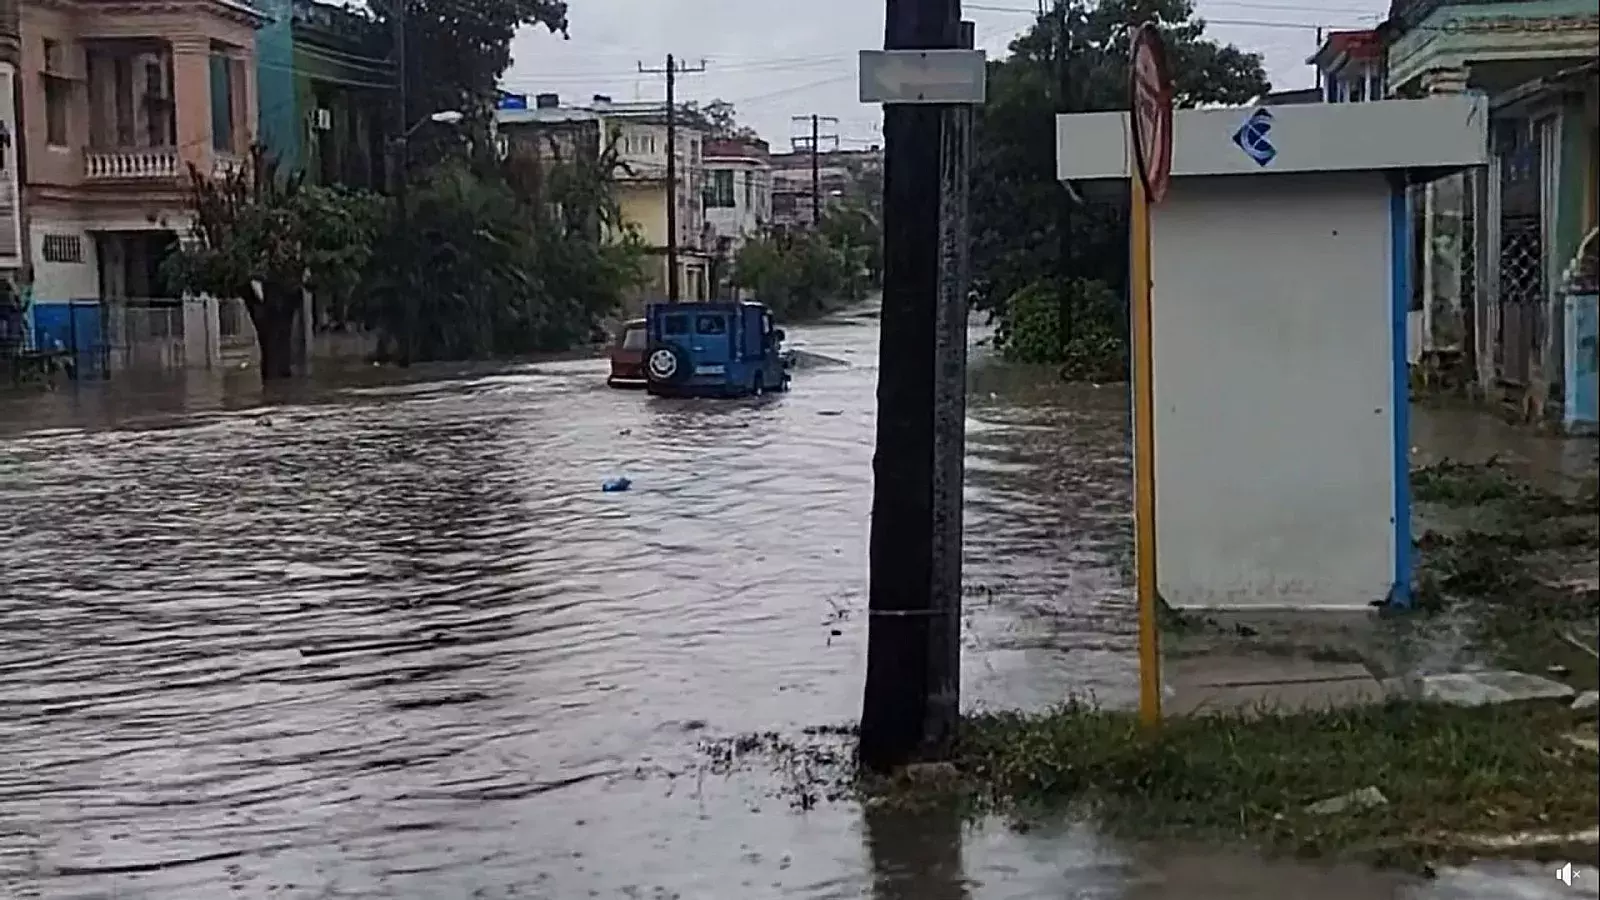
column 62, row 248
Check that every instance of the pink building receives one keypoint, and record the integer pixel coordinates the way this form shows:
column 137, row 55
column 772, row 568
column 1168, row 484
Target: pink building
column 120, row 98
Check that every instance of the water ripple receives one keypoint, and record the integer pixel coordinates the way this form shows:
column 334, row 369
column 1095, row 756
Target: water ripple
column 392, row 640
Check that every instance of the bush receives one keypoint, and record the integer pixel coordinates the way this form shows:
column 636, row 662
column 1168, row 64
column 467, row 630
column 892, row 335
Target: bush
column 1096, row 349
column 800, row 273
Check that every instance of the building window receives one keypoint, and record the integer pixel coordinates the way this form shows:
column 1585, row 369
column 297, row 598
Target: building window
column 57, row 93
column 720, row 196
column 749, row 188
column 160, row 123
column 62, row 248
column 225, row 86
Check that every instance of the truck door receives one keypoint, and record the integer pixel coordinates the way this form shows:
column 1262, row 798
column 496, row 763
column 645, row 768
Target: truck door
column 712, row 345
column 750, row 319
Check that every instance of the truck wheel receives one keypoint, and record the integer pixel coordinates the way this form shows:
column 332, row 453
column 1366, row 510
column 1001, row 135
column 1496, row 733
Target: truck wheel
column 666, row 364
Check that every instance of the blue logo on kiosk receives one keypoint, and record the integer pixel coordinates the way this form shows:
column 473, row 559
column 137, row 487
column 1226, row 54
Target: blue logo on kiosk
column 1252, row 137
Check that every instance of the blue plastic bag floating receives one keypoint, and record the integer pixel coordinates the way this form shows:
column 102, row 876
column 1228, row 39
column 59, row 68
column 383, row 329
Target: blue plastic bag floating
column 616, row 485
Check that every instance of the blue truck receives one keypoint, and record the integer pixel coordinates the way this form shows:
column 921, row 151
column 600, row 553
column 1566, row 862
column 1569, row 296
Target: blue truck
column 722, row 349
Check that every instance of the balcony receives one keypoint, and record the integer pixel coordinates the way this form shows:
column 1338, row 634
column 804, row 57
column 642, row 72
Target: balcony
column 224, row 164
column 138, row 164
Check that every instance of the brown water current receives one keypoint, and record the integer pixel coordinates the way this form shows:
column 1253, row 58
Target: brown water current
column 385, row 638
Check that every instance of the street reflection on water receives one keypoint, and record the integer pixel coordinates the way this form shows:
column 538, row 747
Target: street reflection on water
column 386, row 637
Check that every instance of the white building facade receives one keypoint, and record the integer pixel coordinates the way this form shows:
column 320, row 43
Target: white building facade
column 738, row 193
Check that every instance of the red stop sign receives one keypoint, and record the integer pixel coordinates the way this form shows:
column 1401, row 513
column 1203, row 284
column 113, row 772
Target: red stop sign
column 1151, row 93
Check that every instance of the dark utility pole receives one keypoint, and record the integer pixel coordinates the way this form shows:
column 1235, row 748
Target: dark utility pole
column 910, row 707
column 402, row 165
column 1064, row 220
column 816, row 171
column 671, row 71
column 814, row 143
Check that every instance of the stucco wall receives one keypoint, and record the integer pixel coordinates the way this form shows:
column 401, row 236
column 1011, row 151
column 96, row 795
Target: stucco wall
column 1275, row 392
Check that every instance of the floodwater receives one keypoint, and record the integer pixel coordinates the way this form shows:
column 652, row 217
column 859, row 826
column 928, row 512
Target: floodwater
column 388, row 639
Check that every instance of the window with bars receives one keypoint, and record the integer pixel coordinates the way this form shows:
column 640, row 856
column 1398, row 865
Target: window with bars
column 62, row 248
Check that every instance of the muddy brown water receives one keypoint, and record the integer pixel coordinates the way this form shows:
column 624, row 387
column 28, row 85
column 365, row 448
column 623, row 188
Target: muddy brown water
column 388, row 639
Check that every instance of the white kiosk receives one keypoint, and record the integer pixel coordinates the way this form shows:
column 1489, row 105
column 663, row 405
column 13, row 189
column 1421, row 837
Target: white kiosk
column 1281, row 282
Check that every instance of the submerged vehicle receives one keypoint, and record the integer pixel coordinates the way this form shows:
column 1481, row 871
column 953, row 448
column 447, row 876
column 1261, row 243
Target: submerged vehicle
column 723, row 349
column 627, row 356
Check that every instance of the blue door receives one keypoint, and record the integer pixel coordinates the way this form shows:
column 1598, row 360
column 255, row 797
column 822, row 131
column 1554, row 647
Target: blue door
column 712, row 345
column 751, row 318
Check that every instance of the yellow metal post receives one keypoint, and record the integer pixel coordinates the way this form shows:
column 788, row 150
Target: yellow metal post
column 1144, row 454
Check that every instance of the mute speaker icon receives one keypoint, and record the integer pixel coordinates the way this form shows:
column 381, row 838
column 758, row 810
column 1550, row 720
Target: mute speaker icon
column 1565, row 874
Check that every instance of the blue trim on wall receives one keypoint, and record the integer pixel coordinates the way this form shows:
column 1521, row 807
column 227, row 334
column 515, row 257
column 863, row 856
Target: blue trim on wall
column 1400, row 414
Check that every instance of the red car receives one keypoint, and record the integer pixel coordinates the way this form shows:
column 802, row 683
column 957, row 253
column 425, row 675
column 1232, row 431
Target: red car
column 627, row 356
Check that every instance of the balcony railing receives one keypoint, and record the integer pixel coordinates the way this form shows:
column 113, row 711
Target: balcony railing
column 149, row 162
column 224, row 164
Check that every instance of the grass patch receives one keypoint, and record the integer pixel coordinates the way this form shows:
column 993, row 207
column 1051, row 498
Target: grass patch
column 1444, row 771
column 1246, row 780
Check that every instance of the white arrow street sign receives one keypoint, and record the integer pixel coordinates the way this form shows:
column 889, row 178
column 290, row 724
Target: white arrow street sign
column 923, row 76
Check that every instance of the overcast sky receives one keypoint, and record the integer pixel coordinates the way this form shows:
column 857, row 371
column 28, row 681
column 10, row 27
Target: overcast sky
column 776, row 59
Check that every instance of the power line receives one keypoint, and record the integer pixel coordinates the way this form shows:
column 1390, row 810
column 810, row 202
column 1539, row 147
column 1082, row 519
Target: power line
column 814, row 143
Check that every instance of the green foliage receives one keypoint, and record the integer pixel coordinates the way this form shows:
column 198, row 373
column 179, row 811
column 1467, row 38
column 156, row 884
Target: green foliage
column 1095, row 349
column 456, row 51
column 723, row 119
column 857, row 230
column 805, row 273
column 265, row 236
column 1016, row 199
column 515, row 257
column 519, row 257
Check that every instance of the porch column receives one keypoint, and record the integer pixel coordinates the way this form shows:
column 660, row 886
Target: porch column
column 191, row 75
column 1444, row 251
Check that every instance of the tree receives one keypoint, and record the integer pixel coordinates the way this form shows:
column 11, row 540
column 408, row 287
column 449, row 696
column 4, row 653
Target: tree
column 805, row 273
column 456, row 51
column 1015, row 196
column 723, row 119
column 515, row 256
column 266, row 238
column 854, row 226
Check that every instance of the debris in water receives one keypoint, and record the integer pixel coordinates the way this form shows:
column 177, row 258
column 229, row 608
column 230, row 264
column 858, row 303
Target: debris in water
column 616, row 485
column 1365, row 798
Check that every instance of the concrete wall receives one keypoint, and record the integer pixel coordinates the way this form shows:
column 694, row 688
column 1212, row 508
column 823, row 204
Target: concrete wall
column 644, row 205
column 1275, row 391
column 61, row 281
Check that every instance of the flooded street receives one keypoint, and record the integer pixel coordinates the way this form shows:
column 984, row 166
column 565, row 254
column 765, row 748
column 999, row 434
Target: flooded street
column 390, row 640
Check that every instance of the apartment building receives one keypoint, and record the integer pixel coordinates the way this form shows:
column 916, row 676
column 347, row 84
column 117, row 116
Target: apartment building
column 637, row 132
column 121, row 98
column 840, row 176
column 738, row 190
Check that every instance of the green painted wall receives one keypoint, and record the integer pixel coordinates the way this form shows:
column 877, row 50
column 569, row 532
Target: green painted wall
column 357, row 92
